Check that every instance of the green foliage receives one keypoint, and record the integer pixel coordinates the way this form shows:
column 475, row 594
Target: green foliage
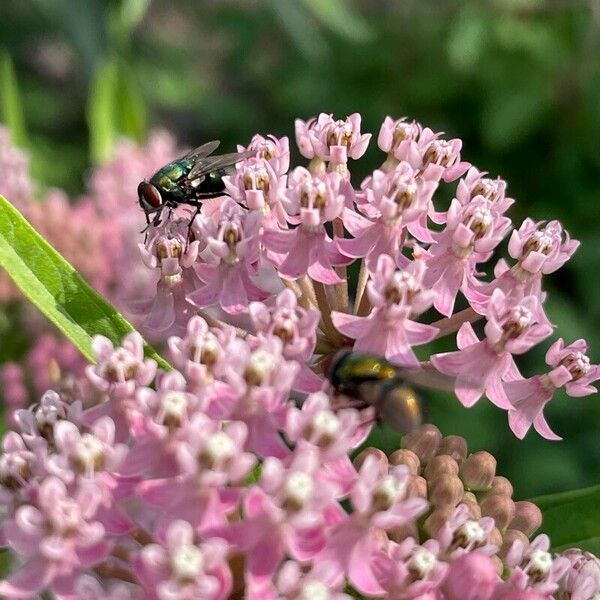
column 11, row 108
column 54, row 286
column 115, row 108
column 571, row 519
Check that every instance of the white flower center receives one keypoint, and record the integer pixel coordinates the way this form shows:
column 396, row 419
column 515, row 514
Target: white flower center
column 174, row 405
column 471, row 533
column 314, row 590
column 540, row 563
column 187, row 562
column 421, row 562
column 88, row 452
column 299, row 488
column 219, row 447
column 388, row 490
column 260, row 365
column 326, row 424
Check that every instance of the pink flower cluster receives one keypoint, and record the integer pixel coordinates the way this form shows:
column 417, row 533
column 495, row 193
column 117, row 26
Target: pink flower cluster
column 209, row 482
column 230, row 475
column 302, row 229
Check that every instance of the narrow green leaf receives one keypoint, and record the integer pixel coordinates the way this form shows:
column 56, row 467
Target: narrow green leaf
column 341, row 18
column 56, row 288
column 10, row 102
column 102, row 111
column 572, row 519
column 130, row 105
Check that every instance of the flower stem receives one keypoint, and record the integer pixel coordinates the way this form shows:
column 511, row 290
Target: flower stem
column 303, row 300
column 113, row 571
column 451, row 324
column 363, row 277
column 141, row 536
column 214, row 322
column 331, row 332
column 341, row 289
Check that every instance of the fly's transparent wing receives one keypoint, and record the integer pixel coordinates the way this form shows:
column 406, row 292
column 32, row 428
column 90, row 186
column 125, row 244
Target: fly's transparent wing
column 207, row 164
column 430, row 377
column 201, row 151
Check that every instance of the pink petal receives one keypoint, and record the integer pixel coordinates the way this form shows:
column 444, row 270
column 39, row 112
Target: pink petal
column 27, row 581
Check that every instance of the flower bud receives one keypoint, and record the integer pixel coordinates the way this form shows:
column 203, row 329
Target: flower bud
column 440, row 465
column 377, row 453
column 495, row 537
column 500, row 485
column 400, row 533
column 408, row 458
column 511, row 536
column 472, row 576
column 500, row 507
column 478, row 470
column 528, row 517
column 446, row 490
column 417, row 486
column 437, row 518
column 424, row 442
column 470, row 500
column 454, row 446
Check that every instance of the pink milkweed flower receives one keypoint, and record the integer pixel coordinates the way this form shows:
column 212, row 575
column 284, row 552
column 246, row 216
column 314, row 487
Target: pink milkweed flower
column 334, row 433
column 407, row 570
column 441, row 153
column 19, row 466
column 85, row 454
column 310, row 201
column 297, row 329
column 276, row 151
column 156, row 421
column 582, row 580
column 571, row 369
column 16, row 185
column 36, row 423
column 471, row 234
column 289, row 512
column 534, row 568
column 322, row 582
column 481, row 366
column 393, row 201
column 58, row 536
column 260, row 379
column 232, row 240
column 257, row 186
column 396, row 296
column 461, row 534
column 475, row 183
column 539, row 250
column 399, row 138
column 209, row 468
column 379, row 501
column 184, row 569
column 168, row 252
column 326, row 140
column 120, row 370
column 472, row 576
column 199, row 354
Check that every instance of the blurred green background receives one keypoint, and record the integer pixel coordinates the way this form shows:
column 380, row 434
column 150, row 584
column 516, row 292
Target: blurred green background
column 517, row 80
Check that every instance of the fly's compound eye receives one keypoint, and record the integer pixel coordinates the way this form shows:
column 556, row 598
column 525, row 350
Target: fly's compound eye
column 149, row 197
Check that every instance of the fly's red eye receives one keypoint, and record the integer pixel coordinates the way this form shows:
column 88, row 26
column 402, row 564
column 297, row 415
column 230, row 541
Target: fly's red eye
column 149, row 196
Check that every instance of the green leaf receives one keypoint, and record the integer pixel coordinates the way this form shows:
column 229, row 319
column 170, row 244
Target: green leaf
column 102, row 111
column 10, row 102
column 130, row 103
column 572, row 519
column 56, row 288
column 341, row 18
